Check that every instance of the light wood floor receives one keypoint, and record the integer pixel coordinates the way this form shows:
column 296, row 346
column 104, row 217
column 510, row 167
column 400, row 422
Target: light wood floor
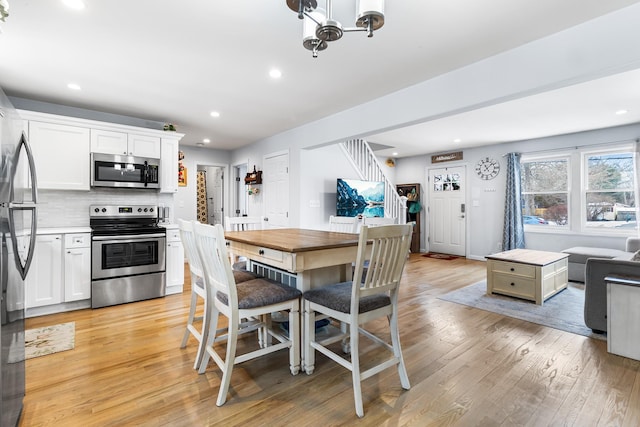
column 467, row 367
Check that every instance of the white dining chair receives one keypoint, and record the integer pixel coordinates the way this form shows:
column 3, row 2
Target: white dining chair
column 198, row 289
column 242, row 223
column 343, row 224
column 356, row 303
column 376, row 221
column 255, row 299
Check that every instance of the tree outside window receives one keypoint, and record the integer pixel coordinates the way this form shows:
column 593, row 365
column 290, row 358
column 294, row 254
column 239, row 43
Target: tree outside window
column 545, row 192
column 610, row 195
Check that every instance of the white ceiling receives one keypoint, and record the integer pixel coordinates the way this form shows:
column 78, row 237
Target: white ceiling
column 176, row 62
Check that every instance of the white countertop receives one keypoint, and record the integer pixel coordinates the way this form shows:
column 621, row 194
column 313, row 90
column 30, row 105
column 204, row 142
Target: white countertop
column 63, row 230
column 169, row 226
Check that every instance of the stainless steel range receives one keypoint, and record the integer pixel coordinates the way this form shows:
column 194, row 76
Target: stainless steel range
column 127, row 254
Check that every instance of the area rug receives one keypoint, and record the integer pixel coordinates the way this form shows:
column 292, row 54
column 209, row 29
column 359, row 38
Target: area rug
column 435, row 255
column 564, row 311
column 49, row 339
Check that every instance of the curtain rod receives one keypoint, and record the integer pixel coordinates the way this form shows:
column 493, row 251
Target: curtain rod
column 637, row 140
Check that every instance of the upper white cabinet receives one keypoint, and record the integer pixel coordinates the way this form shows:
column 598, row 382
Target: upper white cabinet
column 169, row 166
column 110, row 142
column 144, row 146
column 61, row 155
column 62, row 146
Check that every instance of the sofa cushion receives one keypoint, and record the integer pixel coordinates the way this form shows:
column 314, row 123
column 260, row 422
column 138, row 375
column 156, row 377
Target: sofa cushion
column 580, row 254
column 629, row 256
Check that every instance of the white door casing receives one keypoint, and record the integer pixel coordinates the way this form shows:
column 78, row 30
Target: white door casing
column 447, row 210
column 275, row 178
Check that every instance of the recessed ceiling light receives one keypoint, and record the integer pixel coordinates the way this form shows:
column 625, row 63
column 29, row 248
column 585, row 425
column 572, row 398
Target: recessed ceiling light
column 74, row 4
column 215, row 114
column 394, row 154
column 275, row 73
column 457, row 140
column 621, row 112
column 73, row 86
column 206, row 140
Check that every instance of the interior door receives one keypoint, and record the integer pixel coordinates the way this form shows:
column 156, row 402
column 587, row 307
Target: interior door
column 215, row 194
column 275, row 178
column 447, row 210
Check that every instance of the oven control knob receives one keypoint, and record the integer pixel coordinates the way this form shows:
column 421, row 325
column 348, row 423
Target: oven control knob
column 145, row 209
column 96, row 210
column 150, row 209
column 139, row 209
column 104, row 209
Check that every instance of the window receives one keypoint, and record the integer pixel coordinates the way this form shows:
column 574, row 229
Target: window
column 609, row 190
column 545, row 191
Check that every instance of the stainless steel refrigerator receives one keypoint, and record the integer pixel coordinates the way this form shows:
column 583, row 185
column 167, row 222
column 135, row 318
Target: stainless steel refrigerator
column 18, row 193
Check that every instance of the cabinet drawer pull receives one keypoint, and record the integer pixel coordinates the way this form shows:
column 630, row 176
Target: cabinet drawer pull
column 261, row 252
column 513, row 284
column 513, row 269
column 228, row 243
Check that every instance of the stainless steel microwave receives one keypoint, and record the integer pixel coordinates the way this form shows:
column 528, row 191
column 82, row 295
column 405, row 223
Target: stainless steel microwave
column 113, row 170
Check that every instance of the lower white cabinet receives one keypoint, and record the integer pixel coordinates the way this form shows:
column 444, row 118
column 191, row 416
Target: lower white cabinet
column 44, row 281
column 175, row 262
column 77, row 267
column 60, row 271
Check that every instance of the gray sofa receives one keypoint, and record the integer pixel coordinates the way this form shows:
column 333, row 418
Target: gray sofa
column 596, row 269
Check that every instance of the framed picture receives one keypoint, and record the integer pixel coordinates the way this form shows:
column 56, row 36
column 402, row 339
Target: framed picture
column 182, row 175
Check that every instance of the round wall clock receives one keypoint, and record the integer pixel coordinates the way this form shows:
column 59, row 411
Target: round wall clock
column 487, row 168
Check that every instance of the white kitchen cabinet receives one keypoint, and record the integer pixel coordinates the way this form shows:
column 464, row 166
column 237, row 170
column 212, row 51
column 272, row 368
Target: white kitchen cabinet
column 144, row 146
column 127, row 144
column 109, row 142
column 61, row 155
column 169, row 165
column 77, row 267
column 175, row 262
column 43, row 285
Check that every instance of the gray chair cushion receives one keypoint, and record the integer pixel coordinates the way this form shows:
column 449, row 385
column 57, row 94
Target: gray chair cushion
column 244, row 275
column 338, row 297
column 261, row 292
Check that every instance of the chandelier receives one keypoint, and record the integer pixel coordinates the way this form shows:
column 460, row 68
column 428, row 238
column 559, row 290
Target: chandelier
column 319, row 27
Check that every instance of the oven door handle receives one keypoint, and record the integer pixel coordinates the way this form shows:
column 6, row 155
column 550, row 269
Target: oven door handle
column 128, row 237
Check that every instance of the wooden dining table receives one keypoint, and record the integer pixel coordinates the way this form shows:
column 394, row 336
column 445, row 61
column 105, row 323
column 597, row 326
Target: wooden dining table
column 316, row 257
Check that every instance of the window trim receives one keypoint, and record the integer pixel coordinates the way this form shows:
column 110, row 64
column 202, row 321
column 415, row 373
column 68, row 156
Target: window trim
column 584, row 155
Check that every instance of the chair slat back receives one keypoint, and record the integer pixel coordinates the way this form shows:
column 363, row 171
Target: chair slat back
column 244, row 223
column 377, row 221
column 218, row 274
column 389, row 248
column 343, row 224
column 189, row 243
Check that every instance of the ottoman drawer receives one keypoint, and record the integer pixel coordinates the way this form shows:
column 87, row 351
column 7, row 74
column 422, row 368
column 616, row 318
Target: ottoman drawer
column 513, row 268
column 520, row 287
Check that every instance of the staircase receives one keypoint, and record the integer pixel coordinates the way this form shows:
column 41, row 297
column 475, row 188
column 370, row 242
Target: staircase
column 366, row 164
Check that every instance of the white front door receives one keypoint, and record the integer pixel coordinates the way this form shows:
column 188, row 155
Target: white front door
column 447, row 210
column 275, row 178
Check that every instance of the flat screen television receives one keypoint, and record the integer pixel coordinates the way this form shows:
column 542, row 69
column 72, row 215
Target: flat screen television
column 356, row 197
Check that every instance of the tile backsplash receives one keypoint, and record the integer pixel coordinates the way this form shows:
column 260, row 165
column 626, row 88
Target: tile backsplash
column 58, row 208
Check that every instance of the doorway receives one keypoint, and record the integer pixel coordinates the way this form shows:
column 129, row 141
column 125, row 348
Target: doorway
column 210, row 194
column 240, row 195
column 447, row 210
